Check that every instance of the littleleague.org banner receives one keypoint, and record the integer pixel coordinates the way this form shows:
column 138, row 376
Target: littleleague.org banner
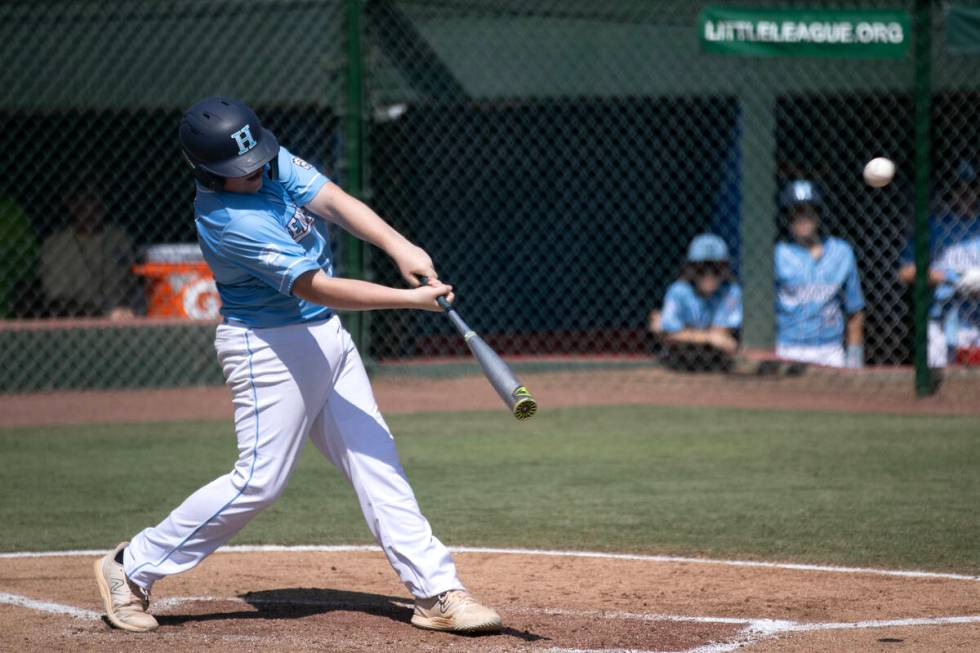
column 847, row 33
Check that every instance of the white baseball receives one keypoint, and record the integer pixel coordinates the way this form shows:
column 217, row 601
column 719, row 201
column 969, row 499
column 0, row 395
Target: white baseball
column 879, row 172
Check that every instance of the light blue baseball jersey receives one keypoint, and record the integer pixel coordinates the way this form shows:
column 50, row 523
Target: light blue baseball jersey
column 258, row 244
column 685, row 308
column 814, row 295
column 954, row 246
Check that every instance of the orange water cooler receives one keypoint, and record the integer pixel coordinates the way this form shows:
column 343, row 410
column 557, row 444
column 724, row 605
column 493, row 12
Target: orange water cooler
column 178, row 282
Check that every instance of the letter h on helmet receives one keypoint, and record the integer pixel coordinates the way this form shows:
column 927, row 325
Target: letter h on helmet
column 221, row 138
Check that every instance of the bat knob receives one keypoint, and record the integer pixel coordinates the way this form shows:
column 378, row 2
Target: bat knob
column 524, row 405
column 525, row 408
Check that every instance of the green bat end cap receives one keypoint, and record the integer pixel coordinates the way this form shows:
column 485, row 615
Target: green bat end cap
column 525, row 407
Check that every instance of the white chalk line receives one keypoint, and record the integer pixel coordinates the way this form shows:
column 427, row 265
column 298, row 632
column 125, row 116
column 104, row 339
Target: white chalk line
column 745, row 637
column 343, row 548
column 47, row 606
column 754, row 630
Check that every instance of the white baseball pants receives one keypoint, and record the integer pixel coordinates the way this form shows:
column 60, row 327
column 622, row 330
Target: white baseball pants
column 829, row 355
column 937, row 351
column 941, row 350
column 288, row 382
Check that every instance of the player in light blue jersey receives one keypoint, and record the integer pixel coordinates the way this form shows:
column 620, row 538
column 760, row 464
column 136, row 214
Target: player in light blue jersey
column 292, row 369
column 954, row 270
column 702, row 311
column 818, row 293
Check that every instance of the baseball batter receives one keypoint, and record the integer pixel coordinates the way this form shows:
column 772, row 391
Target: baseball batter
column 292, row 369
column 818, row 292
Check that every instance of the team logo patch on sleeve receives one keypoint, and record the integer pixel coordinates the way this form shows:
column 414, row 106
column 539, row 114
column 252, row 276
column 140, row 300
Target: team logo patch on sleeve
column 301, row 163
column 300, row 224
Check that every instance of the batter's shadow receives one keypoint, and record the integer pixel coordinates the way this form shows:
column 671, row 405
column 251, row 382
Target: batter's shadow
column 299, row 602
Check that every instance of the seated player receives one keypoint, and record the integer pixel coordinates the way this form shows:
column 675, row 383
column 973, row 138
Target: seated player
column 817, row 287
column 85, row 265
column 702, row 310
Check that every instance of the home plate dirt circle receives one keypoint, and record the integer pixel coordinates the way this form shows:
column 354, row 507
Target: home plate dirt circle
column 348, row 599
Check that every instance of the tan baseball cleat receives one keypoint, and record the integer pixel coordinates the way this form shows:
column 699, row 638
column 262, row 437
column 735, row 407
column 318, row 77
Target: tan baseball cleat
column 125, row 602
column 456, row 611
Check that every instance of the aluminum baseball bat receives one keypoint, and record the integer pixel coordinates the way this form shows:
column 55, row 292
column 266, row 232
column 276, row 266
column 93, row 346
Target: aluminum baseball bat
column 511, row 390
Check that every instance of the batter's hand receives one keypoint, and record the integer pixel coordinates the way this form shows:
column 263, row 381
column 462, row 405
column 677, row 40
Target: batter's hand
column 425, row 296
column 413, row 262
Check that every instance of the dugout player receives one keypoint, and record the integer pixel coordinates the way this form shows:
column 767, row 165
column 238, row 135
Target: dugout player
column 292, row 369
column 818, row 293
column 702, row 311
column 954, row 271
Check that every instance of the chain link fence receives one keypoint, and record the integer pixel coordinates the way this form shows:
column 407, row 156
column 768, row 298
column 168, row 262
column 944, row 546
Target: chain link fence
column 556, row 158
column 94, row 181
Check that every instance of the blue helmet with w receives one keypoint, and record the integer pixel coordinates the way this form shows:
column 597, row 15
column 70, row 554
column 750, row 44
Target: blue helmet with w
column 222, row 137
column 800, row 191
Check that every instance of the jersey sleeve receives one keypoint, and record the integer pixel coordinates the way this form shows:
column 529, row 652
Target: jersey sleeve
column 260, row 247
column 729, row 315
column 853, row 297
column 781, row 263
column 672, row 316
column 300, row 179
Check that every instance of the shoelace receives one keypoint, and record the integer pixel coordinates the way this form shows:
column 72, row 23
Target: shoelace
column 131, row 594
column 139, row 593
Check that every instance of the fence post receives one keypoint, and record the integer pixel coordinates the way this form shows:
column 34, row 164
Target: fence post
column 758, row 219
column 353, row 167
column 922, row 26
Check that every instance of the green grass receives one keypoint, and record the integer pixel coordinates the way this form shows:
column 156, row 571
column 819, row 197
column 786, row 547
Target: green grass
column 856, row 489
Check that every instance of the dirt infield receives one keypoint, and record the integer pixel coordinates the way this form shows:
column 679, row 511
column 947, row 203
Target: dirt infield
column 886, row 390
column 351, row 601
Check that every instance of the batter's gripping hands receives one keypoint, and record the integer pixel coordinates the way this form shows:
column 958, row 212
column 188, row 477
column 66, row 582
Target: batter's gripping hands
column 510, row 389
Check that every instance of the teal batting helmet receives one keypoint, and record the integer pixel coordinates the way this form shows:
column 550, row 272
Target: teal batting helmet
column 707, row 247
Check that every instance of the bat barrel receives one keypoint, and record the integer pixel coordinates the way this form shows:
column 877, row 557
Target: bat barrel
column 510, row 389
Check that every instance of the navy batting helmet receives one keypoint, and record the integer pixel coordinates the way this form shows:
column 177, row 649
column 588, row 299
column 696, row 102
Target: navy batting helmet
column 222, row 138
column 800, row 191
